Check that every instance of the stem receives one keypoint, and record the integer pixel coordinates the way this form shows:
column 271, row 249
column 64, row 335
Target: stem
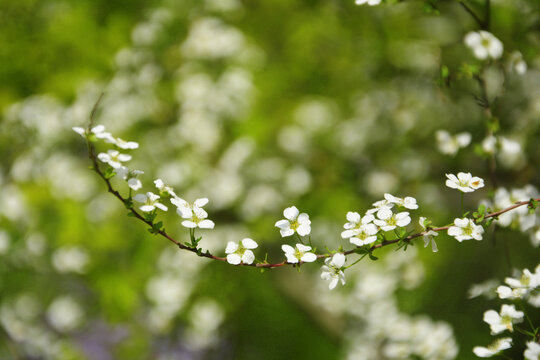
column 96, row 168
column 355, row 262
column 527, row 316
column 487, row 21
column 471, row 12
column 462, row 203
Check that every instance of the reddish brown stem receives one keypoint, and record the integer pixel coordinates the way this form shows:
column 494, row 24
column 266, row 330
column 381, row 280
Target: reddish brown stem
column 207, row 254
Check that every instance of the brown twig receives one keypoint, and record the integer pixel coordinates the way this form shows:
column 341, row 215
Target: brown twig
column 207, row 254
column 472, row 13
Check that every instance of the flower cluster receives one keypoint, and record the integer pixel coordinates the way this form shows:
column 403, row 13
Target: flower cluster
column 508, row 316
column 386, row 220
column 193, row 214
column 522, row 288
column 363, row 230
column 528, row 223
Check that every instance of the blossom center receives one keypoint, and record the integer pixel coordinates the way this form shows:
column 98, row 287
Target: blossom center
column 294, row 224
column 468, row 230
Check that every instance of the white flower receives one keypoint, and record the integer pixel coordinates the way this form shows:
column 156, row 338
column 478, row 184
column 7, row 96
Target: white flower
column 516, row 63
column 506, row 292
column 409, row 202
column 150, row 201
column 123, row 144
column 519, row 288
column 354, row 224
column 369, row 2
column 387, row 220
column 493, row 349
column 164, row 189
column 98, row 131
column 450, row 144
column 429, row 235
column 503, row 321
column 464, row 182
column 465, row 229
column 533, row 351
column 300, row 253
column 528, row 280
column 70, row 259
column 241, row 252
column 294, row 222
column 378, row 205
column 194, row 213
column 332, row 270
column 484, row 45
column 130, row 176
column 114, row 158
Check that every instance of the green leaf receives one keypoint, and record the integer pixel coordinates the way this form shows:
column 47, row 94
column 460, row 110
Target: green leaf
column 109, row 173
column 128, row 203
column 493, row 124
column 533, row 204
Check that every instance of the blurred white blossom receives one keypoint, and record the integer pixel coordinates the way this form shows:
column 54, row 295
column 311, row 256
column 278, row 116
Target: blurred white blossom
column 450, row 144
column 65, row 314
column 70, row 259
column 484, row 45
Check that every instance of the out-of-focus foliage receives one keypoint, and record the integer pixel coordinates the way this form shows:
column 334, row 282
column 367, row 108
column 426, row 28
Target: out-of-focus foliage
column 257, row 105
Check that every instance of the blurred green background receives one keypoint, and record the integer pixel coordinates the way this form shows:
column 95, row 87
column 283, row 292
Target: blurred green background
column 258, row 105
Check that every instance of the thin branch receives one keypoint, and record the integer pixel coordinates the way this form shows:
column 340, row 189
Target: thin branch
column 487, row 18
column 472, row 13
column 207, row 254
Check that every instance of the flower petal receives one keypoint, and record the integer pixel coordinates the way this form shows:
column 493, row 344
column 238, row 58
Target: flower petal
column 291, row 213
column 249, row 243
column 234, row 259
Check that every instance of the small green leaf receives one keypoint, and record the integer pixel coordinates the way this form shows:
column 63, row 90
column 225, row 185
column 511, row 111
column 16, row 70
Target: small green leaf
column 128, row 203
column 373, row 257
column 533, row 204
column 109, row 173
